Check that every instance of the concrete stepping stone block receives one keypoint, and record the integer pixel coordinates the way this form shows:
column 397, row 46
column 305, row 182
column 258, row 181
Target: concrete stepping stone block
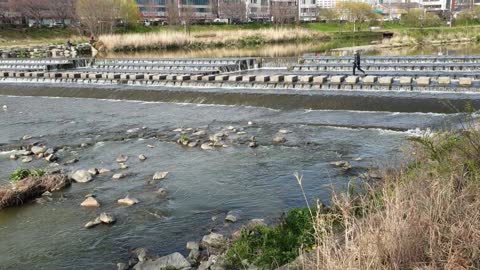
column 248, row 78
column 422, row 81
column 319, row 79
column 290, row 78
column 387, row 80
column 405, row 80
column 369, row 79
column 351, row 80
column 465, row 81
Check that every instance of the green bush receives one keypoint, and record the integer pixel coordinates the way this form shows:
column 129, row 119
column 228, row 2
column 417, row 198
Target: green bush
column 271, row 247
column 21, row 173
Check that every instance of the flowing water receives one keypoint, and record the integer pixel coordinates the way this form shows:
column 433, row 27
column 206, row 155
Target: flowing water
column 202, row 185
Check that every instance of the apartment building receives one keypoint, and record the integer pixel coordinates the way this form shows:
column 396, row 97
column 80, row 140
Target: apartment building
column 258, row 10
column 158, row 9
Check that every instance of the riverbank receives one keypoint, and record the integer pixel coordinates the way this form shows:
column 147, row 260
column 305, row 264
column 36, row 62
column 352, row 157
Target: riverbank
column 424, row 213
column 182, row 40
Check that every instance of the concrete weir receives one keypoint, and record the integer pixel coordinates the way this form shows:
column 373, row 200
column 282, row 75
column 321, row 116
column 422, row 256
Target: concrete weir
column 316, row 76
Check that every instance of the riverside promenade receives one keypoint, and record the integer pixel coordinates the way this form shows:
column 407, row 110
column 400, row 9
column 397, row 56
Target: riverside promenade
column 314, row 82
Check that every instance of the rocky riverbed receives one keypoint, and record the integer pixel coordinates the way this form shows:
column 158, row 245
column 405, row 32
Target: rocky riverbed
column 161, row 175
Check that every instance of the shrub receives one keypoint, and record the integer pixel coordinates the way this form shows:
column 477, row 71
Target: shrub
column 21, row 173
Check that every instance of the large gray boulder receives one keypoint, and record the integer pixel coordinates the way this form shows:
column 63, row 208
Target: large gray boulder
column 214, row 240
column 81, row 176
column 174, row 260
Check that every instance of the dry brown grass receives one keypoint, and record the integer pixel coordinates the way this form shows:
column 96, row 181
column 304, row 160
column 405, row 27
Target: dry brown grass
column 174, row 39
column 29, row 188
column 425, row 216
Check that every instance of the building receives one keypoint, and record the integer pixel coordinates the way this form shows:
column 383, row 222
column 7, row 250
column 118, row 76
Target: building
column 258, row 10
column 160, row 10
column 308, row 10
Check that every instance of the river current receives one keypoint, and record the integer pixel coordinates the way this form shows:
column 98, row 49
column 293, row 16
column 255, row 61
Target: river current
column 202, row 185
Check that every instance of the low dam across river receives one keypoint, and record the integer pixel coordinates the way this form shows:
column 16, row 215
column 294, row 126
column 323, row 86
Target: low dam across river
column 432, row 83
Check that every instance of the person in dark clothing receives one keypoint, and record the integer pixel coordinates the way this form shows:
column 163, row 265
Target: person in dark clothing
column 356, row 63
column 92, row 40
column 69, row 44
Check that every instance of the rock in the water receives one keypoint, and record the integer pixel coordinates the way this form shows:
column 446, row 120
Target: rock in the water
column 241, row 133
column 81, row 176
column 214, row 240
column 51, row 158
column 93, row 223
column 193, row 144
column 256, row 222
column 122, row 266
column 90, row 202
column 252, row 144
column 122, row 166
column 279, row 139
column 284, row 131
column 23, row 153
column 200, row 133
column 142, row 157
column 150, row 146
column 27, row 159
column 90, row 195
column 160, row 175
column 232, row 216
column 342, row 164
column 93, row 171
column 122, row 159
column 26, row 137
column 128, row 201
column 218, row 137
column 141, row 254
column 71, row 161
column 119, row 176
column 13, row 157
column 47, row 193
column 250, row 123
column 38, row 150
column 106, row 218
column 103, row 171
column 162, row 192
column 178, row 130
column 191, row 245
column 206, row 146
column 172, row 261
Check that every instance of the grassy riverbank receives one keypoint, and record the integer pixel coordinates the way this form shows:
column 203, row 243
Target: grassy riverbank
column 424, row 215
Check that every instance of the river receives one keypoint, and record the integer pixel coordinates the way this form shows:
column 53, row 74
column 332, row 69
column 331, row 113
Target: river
column 202, row 185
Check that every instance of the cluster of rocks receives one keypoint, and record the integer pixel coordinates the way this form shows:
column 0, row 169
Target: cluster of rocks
column 34, row 151
column 190, row 137
column 87, row 175
column 208, row 253
column 55, row 51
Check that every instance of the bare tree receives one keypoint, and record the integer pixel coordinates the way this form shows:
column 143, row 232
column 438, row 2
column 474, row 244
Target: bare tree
column 284, row 11
column 31, row 9
column 172, row 12
column 187, row 16
column 97, row 16
column 214, row 8
column 61, row 9
column 233, row 10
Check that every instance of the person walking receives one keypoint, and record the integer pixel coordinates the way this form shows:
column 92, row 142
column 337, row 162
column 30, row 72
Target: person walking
column 356, row 63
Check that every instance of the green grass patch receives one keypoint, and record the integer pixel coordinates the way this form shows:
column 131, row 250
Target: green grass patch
column 271, row 247
column 21, row 173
